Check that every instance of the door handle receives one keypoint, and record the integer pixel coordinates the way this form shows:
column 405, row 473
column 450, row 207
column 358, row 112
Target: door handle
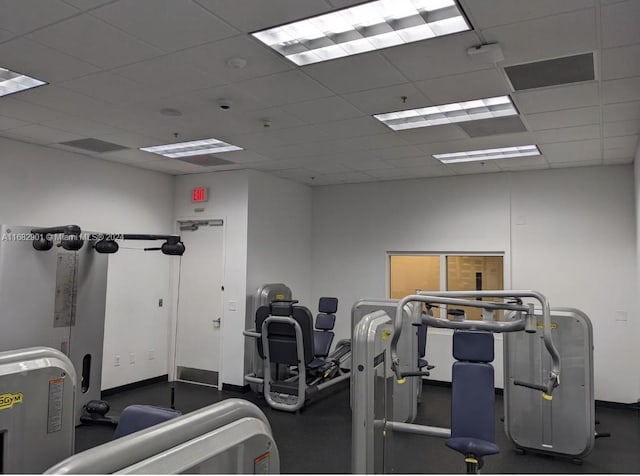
column 216, row 322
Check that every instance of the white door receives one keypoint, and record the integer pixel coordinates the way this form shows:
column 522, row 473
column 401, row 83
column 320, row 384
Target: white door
column 200, row 302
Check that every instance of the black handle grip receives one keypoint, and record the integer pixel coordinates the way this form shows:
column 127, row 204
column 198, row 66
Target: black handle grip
column 414, row 374
column 534, row 386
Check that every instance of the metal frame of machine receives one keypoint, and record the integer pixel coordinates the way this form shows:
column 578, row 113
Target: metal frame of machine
column 564, row 426
column 232, row 436
column 38, row 388
column 378, row 367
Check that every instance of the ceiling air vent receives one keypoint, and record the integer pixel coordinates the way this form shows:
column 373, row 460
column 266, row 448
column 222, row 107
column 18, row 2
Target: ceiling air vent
column 492, row 127
column 205, row 160
column 570, row 69
column 94, row 145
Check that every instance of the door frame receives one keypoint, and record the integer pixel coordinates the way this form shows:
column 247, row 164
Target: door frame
column 175, row 292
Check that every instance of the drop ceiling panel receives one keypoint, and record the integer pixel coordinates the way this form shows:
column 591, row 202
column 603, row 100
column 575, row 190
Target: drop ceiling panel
column 579, row 151
column 243, row 156
column 211, row 58
column 568, row 134
column 175, row 167
column 387, row 99
column 378, row 141
column 429, row 171
column 621, row 90
column 369, row 164
column 582, row 163
column 254, row 121
column 474, row 168
column 87, row 4
column 554, row 99
column 425, row 135
column 489, row 13
column 476, row 143
column 546, row 38
column 132, row 156
column 81, row 126
column 390, row 174
column 62, row 100
column 355, row 73
column 622, row 161
column 172, row 73
column 435, row 58
column 621, row 111
column 28, row 57
column 621, row 62
column 464, row 87
column 252, row 15
column 301, row 135
column 327, row 109
column 6, row 35
column 40, row 134
column 520, row 163
column 22, row 16
column 400, row 152
column 26, row 111
column 360, row 126
column 565, row 118
column 620, row 24
column 284, row 88
column 166, row 24
column 492, row 127
column 133, row 140
column 326, row 167
column 112, row 88
column 424, row 161
column 108, row 48
column 11, row 123
column 627, row 143
column 622, row 128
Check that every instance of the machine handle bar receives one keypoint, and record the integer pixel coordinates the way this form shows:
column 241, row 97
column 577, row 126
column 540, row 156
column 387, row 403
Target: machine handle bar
column 455, row 298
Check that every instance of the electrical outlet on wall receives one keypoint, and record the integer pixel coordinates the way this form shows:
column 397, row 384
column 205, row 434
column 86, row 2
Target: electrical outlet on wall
column 152, row 354
column 132, row 358
column 116, row 361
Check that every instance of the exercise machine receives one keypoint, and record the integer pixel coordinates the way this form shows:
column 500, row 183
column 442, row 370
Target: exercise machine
column 37, row 393
column 37, row 428
column 229, row 437
column 53, row 285
column 284, row 334
column 564, row 426
column 377, row 365
column 406, row 395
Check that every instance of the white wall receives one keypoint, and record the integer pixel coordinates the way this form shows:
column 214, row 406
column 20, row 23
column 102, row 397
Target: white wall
column 228, row 200
column 44, row 187
column 279, row 243
column 577, row 247
column 636, row 167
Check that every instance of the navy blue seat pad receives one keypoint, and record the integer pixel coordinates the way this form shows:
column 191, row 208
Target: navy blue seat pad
column 473, row 446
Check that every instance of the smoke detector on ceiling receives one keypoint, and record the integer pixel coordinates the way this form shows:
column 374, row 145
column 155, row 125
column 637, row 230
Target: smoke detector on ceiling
column 236, row 62
column 491, row 53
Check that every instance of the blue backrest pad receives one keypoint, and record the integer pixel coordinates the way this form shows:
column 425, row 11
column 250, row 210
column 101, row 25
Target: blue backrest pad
column 138, row 417
column 325, row 322
column 473, row 346
column 473, row 401
column 282, row 337
column 322, row 343
column 328, row 305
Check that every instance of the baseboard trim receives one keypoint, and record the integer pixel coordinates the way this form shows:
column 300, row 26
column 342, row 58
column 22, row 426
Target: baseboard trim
column 134, row 385
column 499, row 391
column 235, row 388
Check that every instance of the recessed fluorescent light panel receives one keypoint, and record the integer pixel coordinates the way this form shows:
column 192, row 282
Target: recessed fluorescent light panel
column 12, row 82
column 449, row 113
column 366, row 27
column 187, row 149
column 488, row 154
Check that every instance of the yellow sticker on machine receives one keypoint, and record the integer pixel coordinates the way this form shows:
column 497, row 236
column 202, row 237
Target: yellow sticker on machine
column 280, row 297
column 540, row 325
column 8, row 400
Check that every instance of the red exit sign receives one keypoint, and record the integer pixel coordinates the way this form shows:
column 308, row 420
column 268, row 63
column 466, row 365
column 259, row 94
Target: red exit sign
column 199, row 195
